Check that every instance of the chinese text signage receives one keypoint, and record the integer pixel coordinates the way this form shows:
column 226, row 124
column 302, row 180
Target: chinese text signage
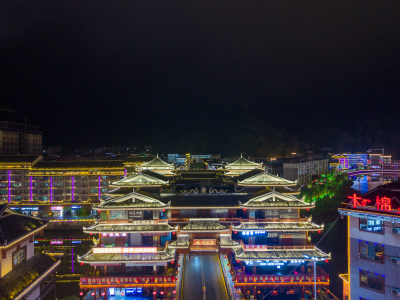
column 128, row 280
column 381, row 203
column 273, row 278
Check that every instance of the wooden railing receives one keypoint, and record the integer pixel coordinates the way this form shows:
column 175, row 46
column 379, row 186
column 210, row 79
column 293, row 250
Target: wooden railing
column 222, row 220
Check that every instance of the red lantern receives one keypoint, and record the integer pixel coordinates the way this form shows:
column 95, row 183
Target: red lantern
column 81, row 294
column 173, row 292
column 154, row 293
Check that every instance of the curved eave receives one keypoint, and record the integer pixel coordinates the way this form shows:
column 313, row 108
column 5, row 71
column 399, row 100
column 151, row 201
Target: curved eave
column 104, row 262
column 321, row 258
column 229, row 246
column 178, row 246
column 277, row 207
column 95, row 207
column 129, row 231
column 264, row 184
column 205, row 207
column 204, row 230
column 138, row 185
column 280, row 230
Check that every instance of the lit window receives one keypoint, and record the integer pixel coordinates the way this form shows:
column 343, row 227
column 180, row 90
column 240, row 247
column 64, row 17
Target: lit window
column 19, row 256
column 371, row 251
column 371, row 225
column 373, row 281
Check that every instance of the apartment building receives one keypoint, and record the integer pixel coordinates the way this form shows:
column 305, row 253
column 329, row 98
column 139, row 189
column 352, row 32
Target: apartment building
column 373, row 244
column 16, row 138
column 304, row 169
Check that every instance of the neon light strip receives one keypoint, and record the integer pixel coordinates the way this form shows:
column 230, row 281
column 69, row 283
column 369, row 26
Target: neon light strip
column 9, row 186
column 30, row 189
column 51, row 189
column 99, row 187
column 125, row 173
column 72, row 258
column 72, row 188
column 126, row 250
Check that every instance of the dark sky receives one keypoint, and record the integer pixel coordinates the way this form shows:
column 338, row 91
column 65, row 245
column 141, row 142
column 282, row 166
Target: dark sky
column 103, row 72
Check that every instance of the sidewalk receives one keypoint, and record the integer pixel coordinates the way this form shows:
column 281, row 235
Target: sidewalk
column 233, row 295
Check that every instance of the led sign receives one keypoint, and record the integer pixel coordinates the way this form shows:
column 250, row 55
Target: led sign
column 30, row 208
column 252, row 232
column 381, row 203
column 113, row 234
column 126, row 250
column 56, row 208
column 204, row 242
column 56, row 242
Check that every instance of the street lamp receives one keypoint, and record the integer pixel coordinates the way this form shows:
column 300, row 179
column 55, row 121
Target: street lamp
column 314, row 259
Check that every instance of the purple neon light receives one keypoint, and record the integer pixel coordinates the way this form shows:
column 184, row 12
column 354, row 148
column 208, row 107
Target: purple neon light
column 99, row 187
column 72, row 258
column 9, row 186
column 51, row 189
column 125, row 173
column 30, row 189
column 73, row 188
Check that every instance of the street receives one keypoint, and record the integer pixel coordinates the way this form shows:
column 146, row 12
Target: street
column 203, row 270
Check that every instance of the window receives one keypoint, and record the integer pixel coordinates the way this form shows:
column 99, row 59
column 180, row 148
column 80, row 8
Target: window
column 371, row 225
column 372, row 251
column 373, row 281
column 19, row 256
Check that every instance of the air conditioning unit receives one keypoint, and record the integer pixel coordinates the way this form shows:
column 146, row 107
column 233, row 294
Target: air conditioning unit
column 396, row 292
column 396, row 230
column 395, row 260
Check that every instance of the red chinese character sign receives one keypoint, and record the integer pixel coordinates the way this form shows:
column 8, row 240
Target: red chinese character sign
column 382, row 203
column 358, row 201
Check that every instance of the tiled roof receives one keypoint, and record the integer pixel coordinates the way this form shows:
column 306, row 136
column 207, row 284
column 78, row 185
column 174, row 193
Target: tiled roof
column 179, row 243
column 107, row 228
column 225, row 241
column 144, row 178
column 205, row 200
column 283, row 254
column 264, row 179
column 249, row 174
column 241, row 161
column 134, row 200
column 14, row 226
column 156, row 162
column 277, row 226
column 204, row 225
column 276, row 200
column 14, row 282
column 166, row 255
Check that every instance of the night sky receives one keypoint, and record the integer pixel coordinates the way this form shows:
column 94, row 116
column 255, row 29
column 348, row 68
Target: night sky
column 126, row 72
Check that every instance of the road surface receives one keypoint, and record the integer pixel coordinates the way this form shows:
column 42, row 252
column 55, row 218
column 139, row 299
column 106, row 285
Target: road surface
column 203, row 270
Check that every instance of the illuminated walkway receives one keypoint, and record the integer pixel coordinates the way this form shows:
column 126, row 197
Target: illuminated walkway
column 374, row 171
column 203, row 270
